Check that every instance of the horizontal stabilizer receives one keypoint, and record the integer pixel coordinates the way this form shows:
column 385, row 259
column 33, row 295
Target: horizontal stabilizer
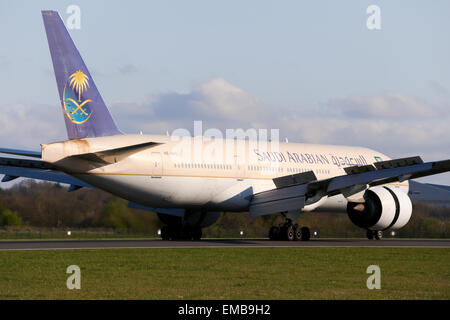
column 114, row 155
column 35, row 169
column 25, row 153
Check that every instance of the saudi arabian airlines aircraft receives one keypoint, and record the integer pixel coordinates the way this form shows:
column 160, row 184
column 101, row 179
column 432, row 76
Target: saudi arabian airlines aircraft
column 189, row 186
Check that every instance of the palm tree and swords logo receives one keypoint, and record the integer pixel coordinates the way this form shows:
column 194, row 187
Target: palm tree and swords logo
column 78, row 111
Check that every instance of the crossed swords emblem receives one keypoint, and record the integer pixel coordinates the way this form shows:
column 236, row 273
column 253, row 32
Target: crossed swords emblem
column 79, row 106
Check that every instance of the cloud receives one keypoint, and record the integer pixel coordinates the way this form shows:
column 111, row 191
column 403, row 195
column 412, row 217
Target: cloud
column 395, row 124
column 27, row 126
column 217, row 103
column 438, row 88
column 127, row 69
column 220, row 99
column 3, row 60
column 387, row 106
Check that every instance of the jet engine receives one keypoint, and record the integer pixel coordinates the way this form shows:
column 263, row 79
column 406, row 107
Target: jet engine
column 384, row 208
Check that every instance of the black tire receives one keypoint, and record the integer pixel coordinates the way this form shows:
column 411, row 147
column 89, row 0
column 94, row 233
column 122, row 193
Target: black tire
column 289, row 233
column 297, row 233
column 378, row 235
column 306, row 234
column 369, row 234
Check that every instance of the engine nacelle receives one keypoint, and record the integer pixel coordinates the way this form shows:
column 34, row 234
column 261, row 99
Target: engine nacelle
column 385, row 208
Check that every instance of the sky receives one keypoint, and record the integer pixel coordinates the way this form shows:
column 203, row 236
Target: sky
column 311, row 69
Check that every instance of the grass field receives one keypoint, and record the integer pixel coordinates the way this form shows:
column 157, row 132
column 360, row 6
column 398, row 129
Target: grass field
column 230, row 273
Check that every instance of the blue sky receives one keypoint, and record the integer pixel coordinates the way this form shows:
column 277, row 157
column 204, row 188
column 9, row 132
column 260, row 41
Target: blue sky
column 311, row 69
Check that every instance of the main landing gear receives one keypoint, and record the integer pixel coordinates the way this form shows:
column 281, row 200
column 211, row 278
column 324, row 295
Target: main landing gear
column 374, row 234
column 289, row 232
column 186, row 233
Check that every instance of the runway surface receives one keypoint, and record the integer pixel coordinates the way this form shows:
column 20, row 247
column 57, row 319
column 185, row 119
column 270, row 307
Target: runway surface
column 234, row 243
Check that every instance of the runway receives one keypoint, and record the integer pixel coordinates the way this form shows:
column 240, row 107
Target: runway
column 231, row 243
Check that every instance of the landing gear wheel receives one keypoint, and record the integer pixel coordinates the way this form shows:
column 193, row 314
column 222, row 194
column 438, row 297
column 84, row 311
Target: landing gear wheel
column 378, row 234
column 369, row 234
column 297, row 233
column 306, row 234
column 288, row 233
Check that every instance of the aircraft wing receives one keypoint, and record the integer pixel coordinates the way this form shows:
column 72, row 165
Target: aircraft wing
column 294, row 192
column 14, row 168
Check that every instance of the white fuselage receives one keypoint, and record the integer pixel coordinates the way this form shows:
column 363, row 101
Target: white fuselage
column 196, row 172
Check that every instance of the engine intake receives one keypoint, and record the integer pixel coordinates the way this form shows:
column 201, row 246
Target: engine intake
column 385, row 208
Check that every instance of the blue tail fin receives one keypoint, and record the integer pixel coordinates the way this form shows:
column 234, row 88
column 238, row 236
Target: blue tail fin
column 85, row 113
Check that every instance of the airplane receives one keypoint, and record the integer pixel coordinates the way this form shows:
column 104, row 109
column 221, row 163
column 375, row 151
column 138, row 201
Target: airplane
column 188, row 186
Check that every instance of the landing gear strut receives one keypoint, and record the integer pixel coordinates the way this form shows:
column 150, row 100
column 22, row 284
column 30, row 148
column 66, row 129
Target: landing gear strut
column 289, row 232
column 173, row 233
column 374, row 234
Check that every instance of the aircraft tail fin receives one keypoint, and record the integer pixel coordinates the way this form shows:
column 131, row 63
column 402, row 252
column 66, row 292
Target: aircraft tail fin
column 85, row 113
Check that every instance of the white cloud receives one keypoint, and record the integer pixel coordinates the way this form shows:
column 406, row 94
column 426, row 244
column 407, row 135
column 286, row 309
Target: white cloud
column 219, row 99
column 127, row 69
column 387, row 106
column 217, row 103
column 439, row 88
column 27, row 126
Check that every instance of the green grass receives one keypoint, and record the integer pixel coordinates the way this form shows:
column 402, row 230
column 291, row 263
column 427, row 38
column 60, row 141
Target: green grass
column 230, row 273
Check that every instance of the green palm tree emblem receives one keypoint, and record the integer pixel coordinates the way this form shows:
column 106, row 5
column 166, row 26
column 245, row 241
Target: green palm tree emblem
column 79, row 82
